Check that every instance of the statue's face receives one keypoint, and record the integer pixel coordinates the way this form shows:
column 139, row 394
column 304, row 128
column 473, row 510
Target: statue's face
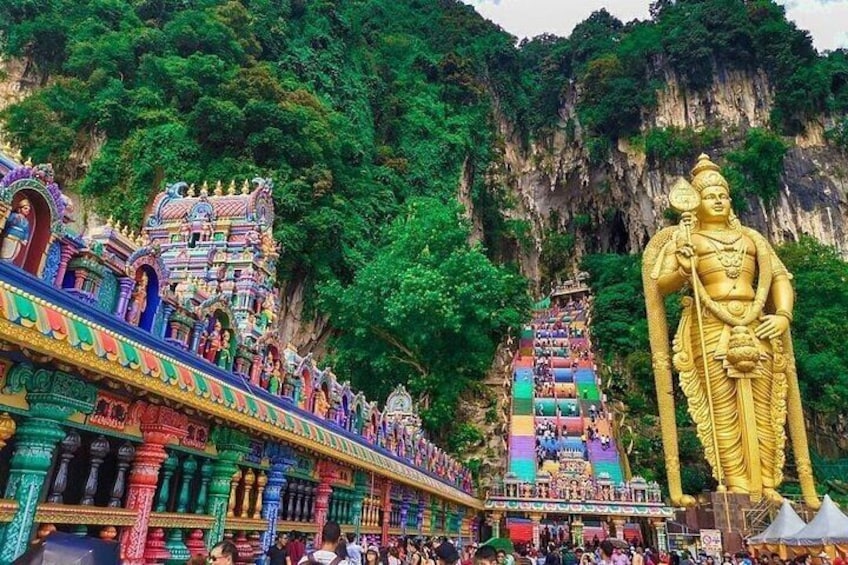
column 24, row 207
column 715, row 203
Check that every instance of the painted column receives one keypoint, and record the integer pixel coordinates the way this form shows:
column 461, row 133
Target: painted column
column 53, row 396
column 577, row 532
column 176, row 545
column 65, row 255
column 126, row 285
column 536, row 519
column 167, row 310
column 618, row 524
column 386, row 504
column 422, row 505
column 360, row 487
column 282, row 459
column 322, row 506
column 232, row 446
column 434, row 509
column 495, row 522
column 662, row 535
column 195, row 336
column 404, row 511
column 158, row 425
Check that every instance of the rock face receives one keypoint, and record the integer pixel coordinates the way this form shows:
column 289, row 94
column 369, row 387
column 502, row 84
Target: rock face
column 620, row 201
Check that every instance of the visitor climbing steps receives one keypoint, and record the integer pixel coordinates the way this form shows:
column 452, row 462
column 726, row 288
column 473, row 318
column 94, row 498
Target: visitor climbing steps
column 559, row 379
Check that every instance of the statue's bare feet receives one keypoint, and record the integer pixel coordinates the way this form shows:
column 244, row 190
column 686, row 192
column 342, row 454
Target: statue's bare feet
column 772, row 495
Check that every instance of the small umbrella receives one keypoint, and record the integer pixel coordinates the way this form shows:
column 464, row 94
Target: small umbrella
column 501, row 544
column 69, row 549
column 619, row 543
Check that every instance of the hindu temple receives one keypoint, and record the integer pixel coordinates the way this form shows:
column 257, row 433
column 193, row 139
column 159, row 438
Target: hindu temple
column 146, row 397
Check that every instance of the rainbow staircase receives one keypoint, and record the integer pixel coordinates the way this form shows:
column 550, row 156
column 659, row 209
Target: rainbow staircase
column 522, row 440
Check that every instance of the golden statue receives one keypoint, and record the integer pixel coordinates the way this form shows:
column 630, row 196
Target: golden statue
column 738, row 310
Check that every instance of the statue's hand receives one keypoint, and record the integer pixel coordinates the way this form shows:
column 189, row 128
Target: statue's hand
column 772, row 326
column 687, row 258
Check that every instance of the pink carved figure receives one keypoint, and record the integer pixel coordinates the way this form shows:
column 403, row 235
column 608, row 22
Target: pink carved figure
column 213, row 343
column 138, row 302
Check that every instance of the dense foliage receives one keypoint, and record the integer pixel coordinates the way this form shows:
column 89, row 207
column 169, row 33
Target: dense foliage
column 620, row 66
column 429, row 312
column 621, row 334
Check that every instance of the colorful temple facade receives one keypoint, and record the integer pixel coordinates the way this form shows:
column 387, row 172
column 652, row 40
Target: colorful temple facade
column 145, row 395
column 566, row 478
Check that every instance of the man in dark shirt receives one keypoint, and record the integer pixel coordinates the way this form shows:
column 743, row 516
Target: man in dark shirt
column 279, row 551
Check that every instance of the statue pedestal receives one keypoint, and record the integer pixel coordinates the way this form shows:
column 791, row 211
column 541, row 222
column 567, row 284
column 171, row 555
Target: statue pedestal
column 730, row 513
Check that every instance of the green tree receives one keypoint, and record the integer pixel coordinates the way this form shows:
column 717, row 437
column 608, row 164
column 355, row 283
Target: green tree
column 429, row 311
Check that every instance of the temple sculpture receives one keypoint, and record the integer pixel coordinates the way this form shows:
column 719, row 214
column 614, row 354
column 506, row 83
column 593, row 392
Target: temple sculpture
column 732, row 349
column 147, row 397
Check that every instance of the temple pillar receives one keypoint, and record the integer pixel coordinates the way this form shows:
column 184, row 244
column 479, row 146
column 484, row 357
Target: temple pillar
column 66, row 253
column 434, row 509
column 662, row 534
column 322, row 506
column 536, row 519
column 404, row 511
column 576, row 530
column 158, row 425
column 53, row 396
column 495, row 521
column 281, row 459
column 232, row 445
column 386, row 504
column 126, row 285
column 360, row 487
column 167, row 310
column 618, row 524
column 195, row 336
column 422, row 505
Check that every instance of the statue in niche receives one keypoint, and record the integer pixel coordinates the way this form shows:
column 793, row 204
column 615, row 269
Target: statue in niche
column 213, row 342
column 267, row 371
column 276, row 381
column 224, row 356
column 138, row 301
column 206, row 232
column 322, row 405
column 16, row 232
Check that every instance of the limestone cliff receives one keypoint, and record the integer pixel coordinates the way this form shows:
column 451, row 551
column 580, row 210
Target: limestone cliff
column 624, row 196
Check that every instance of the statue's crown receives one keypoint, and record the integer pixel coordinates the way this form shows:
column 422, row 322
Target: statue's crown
column 706, row 173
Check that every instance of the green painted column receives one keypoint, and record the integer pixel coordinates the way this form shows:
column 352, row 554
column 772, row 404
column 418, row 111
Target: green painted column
column 360, row 488
column 232, row 445
column 176, row 544
column 52, row 396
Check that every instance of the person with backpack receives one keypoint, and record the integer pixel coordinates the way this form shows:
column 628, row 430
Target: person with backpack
column 326, row 555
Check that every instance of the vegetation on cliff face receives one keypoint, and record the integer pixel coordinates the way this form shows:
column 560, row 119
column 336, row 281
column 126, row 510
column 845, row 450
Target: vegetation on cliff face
column 369, row 113
column 820, row 275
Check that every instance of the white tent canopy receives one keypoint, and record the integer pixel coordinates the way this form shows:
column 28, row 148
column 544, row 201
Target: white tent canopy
column 785, row 524
column 829, row 527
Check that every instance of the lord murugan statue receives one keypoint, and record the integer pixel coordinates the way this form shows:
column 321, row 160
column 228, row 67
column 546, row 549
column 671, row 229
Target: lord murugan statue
column 732, row 350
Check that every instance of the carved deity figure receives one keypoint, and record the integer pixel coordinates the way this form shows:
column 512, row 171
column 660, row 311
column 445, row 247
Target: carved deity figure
column 138, row 301
column 267, row 371
column 16, row 232
column 732, row 349
column 224, row 356
column 213, row 342
column 322, row 405
column 276, row 379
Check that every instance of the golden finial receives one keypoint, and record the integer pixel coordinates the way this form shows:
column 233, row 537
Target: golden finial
column 125, row 231
column 245, row 187
column 110, row 222
column 139, row 240
column 28, row 162
column 232, row 188
column 219, row 189
column 204, row 189
column 118, row 225
column 191, row 191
